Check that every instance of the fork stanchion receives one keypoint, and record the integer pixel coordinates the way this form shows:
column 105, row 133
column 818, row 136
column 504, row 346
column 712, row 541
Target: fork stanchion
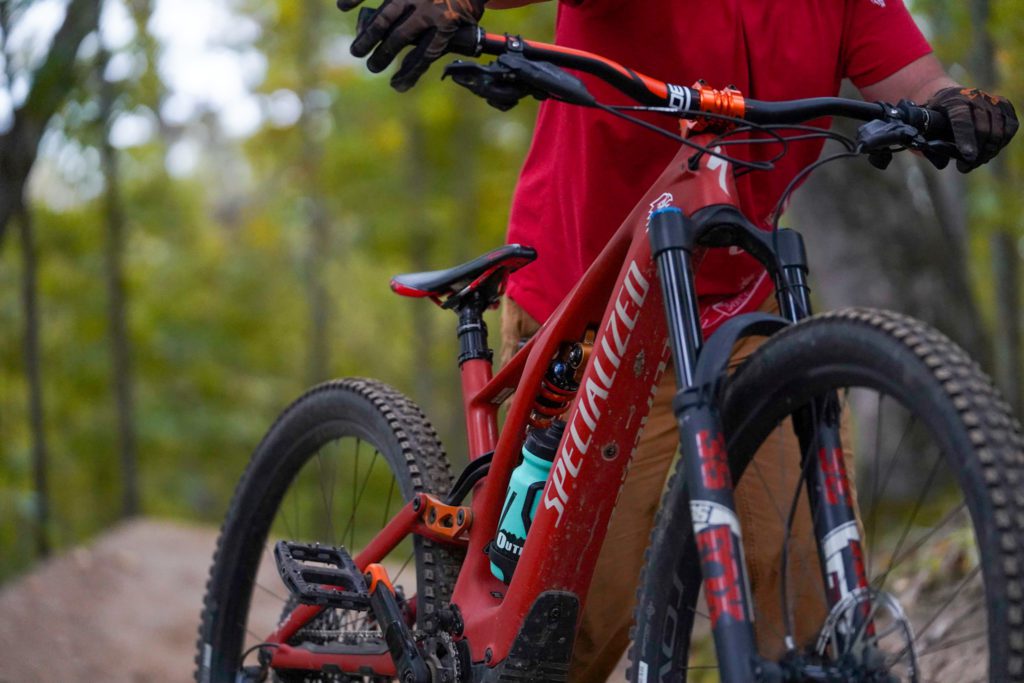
column 671, row 235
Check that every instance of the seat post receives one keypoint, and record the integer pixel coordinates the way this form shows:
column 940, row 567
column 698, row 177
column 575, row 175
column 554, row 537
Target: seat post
column 472, row 331
column 476, row 370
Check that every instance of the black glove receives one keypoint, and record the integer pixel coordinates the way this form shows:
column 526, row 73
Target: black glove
column 427, row 24
column 982, row 124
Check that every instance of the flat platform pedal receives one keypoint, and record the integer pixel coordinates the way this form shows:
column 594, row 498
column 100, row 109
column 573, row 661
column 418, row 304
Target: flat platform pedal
column 321, row 575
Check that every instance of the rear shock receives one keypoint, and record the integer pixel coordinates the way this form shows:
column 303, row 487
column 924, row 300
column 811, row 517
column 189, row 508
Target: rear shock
column 561, row 382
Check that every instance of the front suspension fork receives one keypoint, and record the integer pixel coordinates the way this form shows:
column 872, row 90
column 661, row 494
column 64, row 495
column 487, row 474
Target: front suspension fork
column 818, row 427
column 706, row 466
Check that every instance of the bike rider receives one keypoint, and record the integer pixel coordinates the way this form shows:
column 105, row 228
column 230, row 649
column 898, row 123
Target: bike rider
column 586, row 170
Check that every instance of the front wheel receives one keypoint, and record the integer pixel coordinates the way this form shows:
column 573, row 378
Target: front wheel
column 939, row 466
column 334, row 468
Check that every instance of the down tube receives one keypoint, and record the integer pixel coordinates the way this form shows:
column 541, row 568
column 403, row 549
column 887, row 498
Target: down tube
column 604, row 425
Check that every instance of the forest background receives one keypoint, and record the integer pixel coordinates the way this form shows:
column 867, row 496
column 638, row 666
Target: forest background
column 202, row 201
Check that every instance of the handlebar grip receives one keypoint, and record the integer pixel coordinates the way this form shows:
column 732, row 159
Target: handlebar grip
column 465, row 41
column 937, row 126
column 933, row 124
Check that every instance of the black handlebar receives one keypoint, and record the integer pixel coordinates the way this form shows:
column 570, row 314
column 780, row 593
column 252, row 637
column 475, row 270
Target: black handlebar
column 472, row 41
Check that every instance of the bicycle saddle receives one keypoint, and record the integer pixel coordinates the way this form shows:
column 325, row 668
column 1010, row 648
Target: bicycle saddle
column 485, row 274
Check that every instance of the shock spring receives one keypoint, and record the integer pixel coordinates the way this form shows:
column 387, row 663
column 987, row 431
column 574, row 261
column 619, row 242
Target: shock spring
column 559, row 386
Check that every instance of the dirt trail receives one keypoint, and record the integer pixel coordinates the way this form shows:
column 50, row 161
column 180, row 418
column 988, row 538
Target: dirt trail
column 126, row 608
column 122, row 610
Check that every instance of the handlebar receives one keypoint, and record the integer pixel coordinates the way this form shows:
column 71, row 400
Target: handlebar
column 473, row 41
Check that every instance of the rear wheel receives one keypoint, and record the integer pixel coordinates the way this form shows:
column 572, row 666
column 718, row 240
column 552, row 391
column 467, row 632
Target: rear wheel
column 939, row 463
column 334, row 468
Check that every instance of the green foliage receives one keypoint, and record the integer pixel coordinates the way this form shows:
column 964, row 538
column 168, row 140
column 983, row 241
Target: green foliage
column 217, row 269
column 220, row 262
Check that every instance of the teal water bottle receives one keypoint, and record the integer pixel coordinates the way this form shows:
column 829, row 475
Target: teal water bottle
column 522, row 499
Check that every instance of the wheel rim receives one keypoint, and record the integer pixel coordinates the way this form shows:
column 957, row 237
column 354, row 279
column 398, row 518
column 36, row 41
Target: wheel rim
column 343, row 494
column 920, row 543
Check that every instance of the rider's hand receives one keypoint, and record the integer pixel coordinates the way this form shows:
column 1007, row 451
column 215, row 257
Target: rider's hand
column 982, row 124
column 427, row 24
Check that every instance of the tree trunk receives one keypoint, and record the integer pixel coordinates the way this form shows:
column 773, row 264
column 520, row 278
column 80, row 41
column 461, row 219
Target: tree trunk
column 420, row 233
column 467, row 243
column 1002, row 243
column 120, row 346
column 317, row 217
column 51, row 81
column 893, row 239
column 30, row 308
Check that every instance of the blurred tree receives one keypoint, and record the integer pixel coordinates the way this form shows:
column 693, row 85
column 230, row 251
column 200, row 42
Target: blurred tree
column 310, row 46
column 1003, row 239
column 41, row 518
column 50, row 82
column 120, row 345
column 988, row 54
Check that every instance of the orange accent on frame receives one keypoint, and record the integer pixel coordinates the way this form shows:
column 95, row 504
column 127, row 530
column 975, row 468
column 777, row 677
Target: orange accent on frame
column 450, row 522
column 375, row 573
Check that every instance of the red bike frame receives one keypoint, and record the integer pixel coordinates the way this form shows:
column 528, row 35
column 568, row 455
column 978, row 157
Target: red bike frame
column 619, row 297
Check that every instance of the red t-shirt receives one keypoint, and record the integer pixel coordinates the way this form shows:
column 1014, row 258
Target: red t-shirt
column 586, row 169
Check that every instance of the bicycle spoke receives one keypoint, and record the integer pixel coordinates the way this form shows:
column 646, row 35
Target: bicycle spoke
column 355, row 480
column 959, row 587
column 404, row 565
column 943, row 646
column 359, row 498
column 698, row 613
column 269, row 592
column 895, row 457
column 387, row 506
column 873, row 513
column 287, row 525
column 931, row 532
column 323, row 494
column 910, row 522
column 801, row 561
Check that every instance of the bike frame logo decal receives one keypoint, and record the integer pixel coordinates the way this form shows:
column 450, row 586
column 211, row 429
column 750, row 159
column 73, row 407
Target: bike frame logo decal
column 606, row 360
column 722, row 166
column 714, row 467
column 718, row 541
column 837, row 484
column 662, row 202
column 836, row 543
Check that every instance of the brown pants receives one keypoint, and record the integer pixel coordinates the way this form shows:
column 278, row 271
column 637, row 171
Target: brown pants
column 762, row 500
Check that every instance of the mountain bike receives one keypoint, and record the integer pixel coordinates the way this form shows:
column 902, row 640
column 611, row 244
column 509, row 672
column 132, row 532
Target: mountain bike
column 919, row 548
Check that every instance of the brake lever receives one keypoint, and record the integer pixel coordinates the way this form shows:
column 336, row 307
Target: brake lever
column 548, row 80
column 938, row 153
column 878, row 137
column 495, row 82
column 512, row 77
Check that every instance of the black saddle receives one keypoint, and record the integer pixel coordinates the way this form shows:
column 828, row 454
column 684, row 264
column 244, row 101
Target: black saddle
column 485, row 275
